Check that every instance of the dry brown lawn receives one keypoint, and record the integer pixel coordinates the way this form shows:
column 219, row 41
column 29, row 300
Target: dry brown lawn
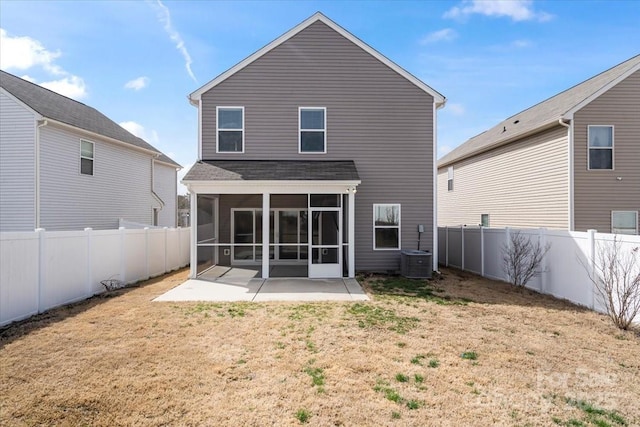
column 397, row 360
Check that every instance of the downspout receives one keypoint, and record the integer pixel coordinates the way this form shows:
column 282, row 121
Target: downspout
column 37, row 174
column 434, row 250
column 569, row 127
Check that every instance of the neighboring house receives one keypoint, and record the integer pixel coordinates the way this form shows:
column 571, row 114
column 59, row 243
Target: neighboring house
column 571, row 162
column 295, row 130
column 66, row 166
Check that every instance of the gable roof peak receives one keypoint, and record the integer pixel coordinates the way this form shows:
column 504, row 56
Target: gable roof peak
column 194, row 97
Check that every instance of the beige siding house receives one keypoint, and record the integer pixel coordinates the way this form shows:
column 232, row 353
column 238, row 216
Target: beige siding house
column 570, row 162
column 66, row 166
column 333, row 140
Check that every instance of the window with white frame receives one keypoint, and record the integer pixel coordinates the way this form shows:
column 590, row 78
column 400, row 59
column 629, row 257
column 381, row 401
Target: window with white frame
column 450, row 178
column 484, row 220
column 600, row 147
column 624, row 222
column 313, row 130
column 86, row 157
column 230, row 129
column 386, row 226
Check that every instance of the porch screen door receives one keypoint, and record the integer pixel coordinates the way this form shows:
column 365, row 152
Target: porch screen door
column 325, row 255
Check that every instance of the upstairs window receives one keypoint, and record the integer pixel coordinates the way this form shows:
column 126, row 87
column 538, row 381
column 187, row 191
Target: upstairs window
column 230, row 129
column 600, row 147
column 450, row 178
column 86, row 157
column 624, row 222
column 386, row 226
column 313, row 130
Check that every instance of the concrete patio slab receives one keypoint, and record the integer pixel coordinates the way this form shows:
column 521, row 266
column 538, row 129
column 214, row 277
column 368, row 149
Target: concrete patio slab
column 244, row 287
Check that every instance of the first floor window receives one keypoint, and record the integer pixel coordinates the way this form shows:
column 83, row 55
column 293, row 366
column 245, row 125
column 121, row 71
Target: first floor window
column 386, row 226
column 600, row 147
column 86, row 157
column 450, row 178
column 313, row 130
column 230, row 129
column 624, row 222
column 484, row 220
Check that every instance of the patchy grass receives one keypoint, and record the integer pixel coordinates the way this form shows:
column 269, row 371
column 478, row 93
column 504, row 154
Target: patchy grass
column 125, row 360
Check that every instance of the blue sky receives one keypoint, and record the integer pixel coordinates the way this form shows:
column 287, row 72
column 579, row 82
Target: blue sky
column 136, row 61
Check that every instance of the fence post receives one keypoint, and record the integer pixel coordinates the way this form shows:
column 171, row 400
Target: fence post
column 591, row 262
column 507, row 236
column 166, row 250
column 123, row 255
column 41, row 266
column 146, row 255
column 482, row 251
column 542, row 239
column 462, row 246
column 89, row 233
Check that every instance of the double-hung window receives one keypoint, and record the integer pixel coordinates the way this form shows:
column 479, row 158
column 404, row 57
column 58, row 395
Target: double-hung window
column 313, row 130
column 86, row 157
column 386, row 226
column 600, row 147
column 450, row 178
column 230, row 129
column 624, row 222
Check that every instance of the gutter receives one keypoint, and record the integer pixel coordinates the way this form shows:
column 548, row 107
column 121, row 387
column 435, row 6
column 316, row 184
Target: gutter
column 563, row 122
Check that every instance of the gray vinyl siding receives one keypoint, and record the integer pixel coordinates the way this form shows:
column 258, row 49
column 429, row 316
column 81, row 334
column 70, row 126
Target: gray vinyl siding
column 523, row 184
column 165, row 186
column 375, row 117
column 119, row 188
column 598, row 192
column 17, row 166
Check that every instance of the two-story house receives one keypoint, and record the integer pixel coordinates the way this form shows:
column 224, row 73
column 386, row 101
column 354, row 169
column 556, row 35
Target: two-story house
column 570, row 162
column 66, row 166
column 316, row 158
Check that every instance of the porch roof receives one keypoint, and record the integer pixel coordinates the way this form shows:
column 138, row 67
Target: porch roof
column 272, row 170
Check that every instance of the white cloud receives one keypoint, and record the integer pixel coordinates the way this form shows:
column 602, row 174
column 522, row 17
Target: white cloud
column 517, row 10
column 182, row 189
column 443, row 149
column 455, row 109
column 446, row 34
column 138, row 130
column 137, row 84
column 165, row 19
column 521, row 44
column 24, row 53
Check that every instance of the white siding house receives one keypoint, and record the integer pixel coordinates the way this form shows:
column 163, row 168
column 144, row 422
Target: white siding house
column 66, row 166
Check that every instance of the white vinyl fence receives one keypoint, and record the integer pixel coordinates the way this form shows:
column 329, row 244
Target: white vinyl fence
column 564, row 268
column 42, row 269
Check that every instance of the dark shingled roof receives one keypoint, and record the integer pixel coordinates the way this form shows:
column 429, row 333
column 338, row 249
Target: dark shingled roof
column 273, row 170
column 57, row 107
column 538, row 116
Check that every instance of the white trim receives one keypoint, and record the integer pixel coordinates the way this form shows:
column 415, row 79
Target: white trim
column 196, row 95
column 399, row 226
column 92, row 158
column 613, row 152
column 200, row 130
column 324, row 129
column 569, row 114
column 193, row 223
column 274, row 187
column 621, row 211
column 434, row 243
column 351, row 257
column 225, row 107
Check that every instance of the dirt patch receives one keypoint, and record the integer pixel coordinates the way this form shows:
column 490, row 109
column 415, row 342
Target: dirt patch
column 459, row 350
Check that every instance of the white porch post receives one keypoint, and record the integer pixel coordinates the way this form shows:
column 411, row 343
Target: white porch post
column 193, row 222
column 352, row 234
column 266, row 205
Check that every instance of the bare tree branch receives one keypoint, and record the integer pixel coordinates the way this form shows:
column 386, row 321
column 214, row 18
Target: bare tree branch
column 522, row 259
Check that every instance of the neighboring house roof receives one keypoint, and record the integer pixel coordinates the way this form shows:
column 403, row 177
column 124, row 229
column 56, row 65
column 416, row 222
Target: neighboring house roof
column 273, row 170
column 438, row 98
column 54, row 106
column 543, row 115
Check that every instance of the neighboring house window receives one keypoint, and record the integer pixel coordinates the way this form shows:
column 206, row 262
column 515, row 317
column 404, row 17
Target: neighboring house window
column 484, row 220
column 600, row 147
column 230, row 124
column 386, row 226
column 156, row 213
column 450, row 178
column 313, row 130
column 624, row 222
column 86, row 157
